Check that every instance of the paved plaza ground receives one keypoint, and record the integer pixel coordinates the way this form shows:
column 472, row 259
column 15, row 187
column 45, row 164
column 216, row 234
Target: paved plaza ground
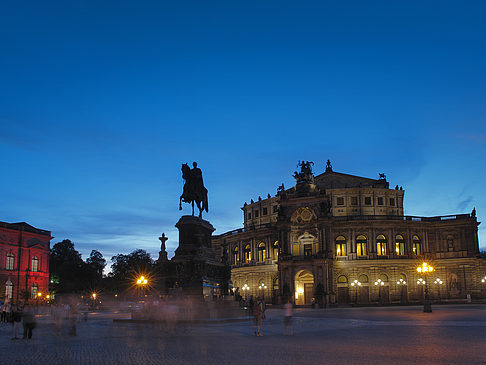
column 374, row 335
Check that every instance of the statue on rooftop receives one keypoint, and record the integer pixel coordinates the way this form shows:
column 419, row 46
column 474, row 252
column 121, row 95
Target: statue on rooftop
column 194, row 190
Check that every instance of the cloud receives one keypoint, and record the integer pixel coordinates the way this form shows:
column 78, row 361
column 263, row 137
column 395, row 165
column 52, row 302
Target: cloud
column 463, row 205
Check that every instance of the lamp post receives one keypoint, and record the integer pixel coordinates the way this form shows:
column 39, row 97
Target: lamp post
column 245, row 289
column 379, row 283
column 402, row 285
column 262, row 287
column 356, row 283
column 426, row 269
column 142, row 283
column 438, row 282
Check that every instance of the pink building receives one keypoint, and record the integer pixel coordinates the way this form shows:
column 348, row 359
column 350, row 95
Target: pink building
column 24, row 261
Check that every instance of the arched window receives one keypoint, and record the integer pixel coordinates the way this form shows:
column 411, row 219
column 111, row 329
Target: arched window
column 416, row 245
column 247, row 253
column 9, row 290
column 34, row 290
column 35, row 263
column 399, row 245
column 361, row 249
column 381, row 245
column 342, row 279
column 363, row 279
column 235, row 255
column 262, row 252
column 10, row 264
column 275, row 250
column 402, row 280
column 383, row 278
column 341, row 246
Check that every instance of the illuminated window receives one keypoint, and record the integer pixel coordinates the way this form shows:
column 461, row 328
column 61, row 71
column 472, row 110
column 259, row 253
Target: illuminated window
column 247, row 253
column 380, row 200
column 361, row 249
column 10, row 261
column 34, row 290
column 399, row 245
column 235, row 255
column 341, row 246
column 35, row 263
column 275, row 250
column 340, row 201
column 416, row 245
column 9, row 290
column 381, row 245
column 262, row 252
column 367, row 200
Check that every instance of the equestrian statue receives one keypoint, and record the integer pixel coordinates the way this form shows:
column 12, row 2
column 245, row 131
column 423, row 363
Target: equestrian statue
column 194, row 190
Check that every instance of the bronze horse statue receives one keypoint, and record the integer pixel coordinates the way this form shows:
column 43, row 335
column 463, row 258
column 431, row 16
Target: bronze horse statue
column 194, row 190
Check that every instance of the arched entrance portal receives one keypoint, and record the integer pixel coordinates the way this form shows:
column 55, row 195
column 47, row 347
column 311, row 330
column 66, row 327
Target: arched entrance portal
column 304, row 287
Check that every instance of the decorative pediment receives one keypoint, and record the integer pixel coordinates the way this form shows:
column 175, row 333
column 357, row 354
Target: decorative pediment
column 35, row 242
column 303, row 215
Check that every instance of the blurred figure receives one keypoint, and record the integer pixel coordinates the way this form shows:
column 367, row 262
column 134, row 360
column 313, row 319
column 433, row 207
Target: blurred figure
column 16, row 319
column 251, row 304
column 29, row 321
column 257, row 316
column 288, row 318
column 3, row 317
column 57, row 314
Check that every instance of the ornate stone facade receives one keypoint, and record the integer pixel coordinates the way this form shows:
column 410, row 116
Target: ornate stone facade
column 24, row 261
column 339, row 238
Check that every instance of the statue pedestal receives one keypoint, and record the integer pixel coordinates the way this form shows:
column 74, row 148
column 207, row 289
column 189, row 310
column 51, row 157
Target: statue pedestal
column 194, row 268
column 194, row 239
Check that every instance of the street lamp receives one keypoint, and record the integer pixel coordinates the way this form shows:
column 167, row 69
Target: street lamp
column 438, row 282
column 426, row 269
column 403, row 295
column 356, row 283
column 246, row 288
column 379, row 283
column 262, row 287
column 142, row 282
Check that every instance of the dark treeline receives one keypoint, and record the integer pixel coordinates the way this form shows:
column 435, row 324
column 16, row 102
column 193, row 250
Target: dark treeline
column 70, row 274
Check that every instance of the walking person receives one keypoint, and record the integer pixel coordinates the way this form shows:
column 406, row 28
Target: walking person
column 16, row 319
column 257, row 316
column 288, row 318
column 29, row 322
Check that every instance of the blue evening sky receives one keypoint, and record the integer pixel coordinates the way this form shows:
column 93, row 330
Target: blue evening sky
column 101, row 102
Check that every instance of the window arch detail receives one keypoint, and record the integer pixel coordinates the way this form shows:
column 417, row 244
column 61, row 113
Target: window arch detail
column 399, row 245
column 262, row 252
column 341, row 246
column 10, row 263
column 247, row 253
column 416, row 245
column 361, row 243
column 381, row 245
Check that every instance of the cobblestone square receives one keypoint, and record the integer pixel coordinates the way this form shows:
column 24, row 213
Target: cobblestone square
column 397, row 335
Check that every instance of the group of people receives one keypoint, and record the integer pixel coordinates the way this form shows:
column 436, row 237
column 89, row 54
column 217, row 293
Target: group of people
column 17, row 315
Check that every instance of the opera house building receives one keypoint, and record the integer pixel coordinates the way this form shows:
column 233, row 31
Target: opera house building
column 336, row 238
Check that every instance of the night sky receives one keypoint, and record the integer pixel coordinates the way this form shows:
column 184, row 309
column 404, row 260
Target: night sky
column 102, row 101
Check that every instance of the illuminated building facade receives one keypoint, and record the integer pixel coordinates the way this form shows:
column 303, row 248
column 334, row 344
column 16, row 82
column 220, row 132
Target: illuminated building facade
column 339, row 238
column 24, row 261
